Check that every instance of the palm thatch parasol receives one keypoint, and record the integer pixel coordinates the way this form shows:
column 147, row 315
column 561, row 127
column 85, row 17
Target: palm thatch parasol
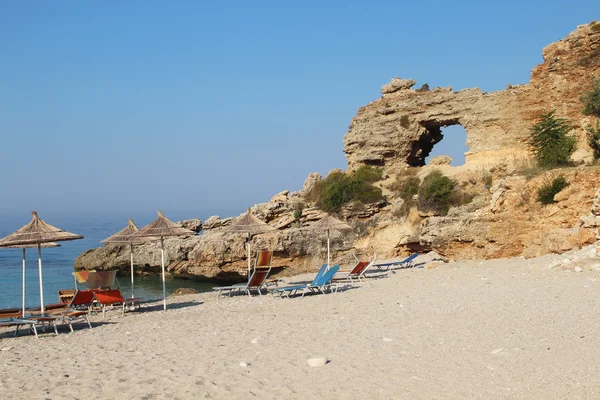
column 250, row 225
column 36, row 233
column 24, row 247
column 162, row 227
column 124, row 237
column 329, row 223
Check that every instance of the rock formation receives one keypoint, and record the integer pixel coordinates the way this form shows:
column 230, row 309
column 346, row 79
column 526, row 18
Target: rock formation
column 401, row 128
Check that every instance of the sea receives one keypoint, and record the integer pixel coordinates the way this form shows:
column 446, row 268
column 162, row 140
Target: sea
column 57, row 263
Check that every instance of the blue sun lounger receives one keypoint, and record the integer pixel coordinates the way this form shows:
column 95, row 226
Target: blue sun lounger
column 388, row 264
column 321, row 283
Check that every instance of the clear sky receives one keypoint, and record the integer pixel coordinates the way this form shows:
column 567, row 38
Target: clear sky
column 207, row 107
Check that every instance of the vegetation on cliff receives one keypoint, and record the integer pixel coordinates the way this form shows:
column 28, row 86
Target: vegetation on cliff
column 339, row 188
column 550, row 141
column 549, row 189
column 591, row 106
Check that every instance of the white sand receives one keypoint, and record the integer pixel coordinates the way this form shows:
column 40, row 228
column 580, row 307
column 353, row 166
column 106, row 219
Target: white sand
column 492, row 330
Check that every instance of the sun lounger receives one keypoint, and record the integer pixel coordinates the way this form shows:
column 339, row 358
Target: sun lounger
column 11, row 313
column 289, row 290
column 113, row 298
column 321, row 283
column 66, row 295
column 18, row 323
column 81, row 277
column 78, row 308
column 357, row 273
column 102, row 280
column 256, row 282
column 105, row 286
column 258, row 277
column 396, row 262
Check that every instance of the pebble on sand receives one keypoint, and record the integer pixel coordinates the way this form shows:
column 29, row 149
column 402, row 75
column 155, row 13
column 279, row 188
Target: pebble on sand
column 316, row 361
column 244, row 364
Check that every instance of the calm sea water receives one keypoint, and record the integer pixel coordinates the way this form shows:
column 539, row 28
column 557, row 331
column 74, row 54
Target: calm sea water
column 58, row 262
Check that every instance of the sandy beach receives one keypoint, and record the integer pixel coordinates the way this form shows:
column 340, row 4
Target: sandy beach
column 502, row 329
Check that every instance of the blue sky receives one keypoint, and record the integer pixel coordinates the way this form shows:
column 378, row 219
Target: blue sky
column 207, row 107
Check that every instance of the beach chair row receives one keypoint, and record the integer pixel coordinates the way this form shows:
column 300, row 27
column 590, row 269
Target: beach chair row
column 101, row 296
column 326, row 280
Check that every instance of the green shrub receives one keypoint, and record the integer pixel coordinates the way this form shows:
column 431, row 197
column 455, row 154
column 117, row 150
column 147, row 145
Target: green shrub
column 549, row 189
column 298, row 209
column 436, row 192
column 408, row 188
column 339, row 189
column 551, row 145
column 591, row 99
column 369, row 174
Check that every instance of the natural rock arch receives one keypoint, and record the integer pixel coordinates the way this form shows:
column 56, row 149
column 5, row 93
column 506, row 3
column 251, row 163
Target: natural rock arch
column 401, row 127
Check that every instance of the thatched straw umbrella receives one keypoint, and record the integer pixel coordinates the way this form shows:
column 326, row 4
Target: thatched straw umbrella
column 160, row 228
column 124, row 237
column 24, row 247
column 250, row 225
column 36, row 233
column 329, row 223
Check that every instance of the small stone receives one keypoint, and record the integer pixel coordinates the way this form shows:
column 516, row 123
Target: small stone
column 244, row 364
column 387, row 339
column 577, row 269
column 6, row 348
column 496, row 351
column 254, row 341
column 565, row 261
column 316, row 361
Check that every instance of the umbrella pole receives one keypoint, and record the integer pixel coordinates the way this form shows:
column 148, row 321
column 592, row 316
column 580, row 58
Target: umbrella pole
column 40, row 274
column 131, row 254
column 24, row 254
column 328, row 256
column 162, row 251
column 249, row 255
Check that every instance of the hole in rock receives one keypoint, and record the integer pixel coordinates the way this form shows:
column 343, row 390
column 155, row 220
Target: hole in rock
column 453, row 143
column 439, row 138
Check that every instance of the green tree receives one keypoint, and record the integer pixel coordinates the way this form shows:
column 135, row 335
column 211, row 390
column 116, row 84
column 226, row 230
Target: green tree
column 591, row 106
column 550, row 141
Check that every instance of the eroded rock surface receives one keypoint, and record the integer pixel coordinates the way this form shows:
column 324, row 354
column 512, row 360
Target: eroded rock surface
column 401, row 127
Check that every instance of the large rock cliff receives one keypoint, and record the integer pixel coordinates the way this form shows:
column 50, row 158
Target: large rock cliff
column 401, row 128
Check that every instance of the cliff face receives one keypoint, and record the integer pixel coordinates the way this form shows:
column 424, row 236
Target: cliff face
column 401, row 127
column 399, row 130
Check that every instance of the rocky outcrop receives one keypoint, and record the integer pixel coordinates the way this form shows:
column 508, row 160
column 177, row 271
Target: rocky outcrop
column 401, row 127
column 221, row 257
